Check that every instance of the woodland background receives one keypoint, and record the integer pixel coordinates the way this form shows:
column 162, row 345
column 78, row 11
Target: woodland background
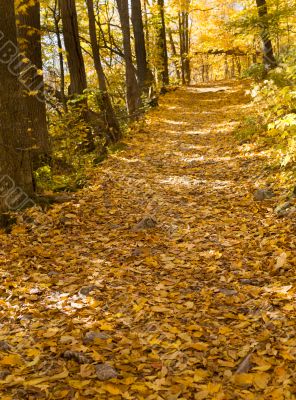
column 77, row 73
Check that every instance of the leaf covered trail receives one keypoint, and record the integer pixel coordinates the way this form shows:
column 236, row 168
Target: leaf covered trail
column 199, row 306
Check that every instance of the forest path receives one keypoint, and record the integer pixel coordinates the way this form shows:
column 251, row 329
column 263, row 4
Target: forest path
column 174, row 309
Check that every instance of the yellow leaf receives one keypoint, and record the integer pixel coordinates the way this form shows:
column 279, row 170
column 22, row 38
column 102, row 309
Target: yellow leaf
column 76, row 384
column 263, row 368
column 194, row 328
column 34, row 362
column 139, row 388
column 62, row 394
column 33, row 352
column 202, row 395
column 129, row 380
column 277, row 394
column 86, row 370
column 51, row 332
column 159, row 309
column 243, row 379
column 224, row 363
column 213, row 387
column 224, row 330
column 37, row 381
column 287, row 356
column 261, row 380
column 96, row 356
column 200, row 346
column 173, row 329
column 18, row 230
column 11, row 359
column 200, row 375
column 111, row 388
column 106, row 327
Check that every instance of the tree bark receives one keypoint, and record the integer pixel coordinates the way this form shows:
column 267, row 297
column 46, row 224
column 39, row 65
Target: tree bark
column 72, row 44
column 184, row 46
column 162, row 44
column 78, row 82
column 57, row 17
column 269, row 60
column 112, row 125
column 132, row 87
column 140, row 47
column 29, row 35
column 16, row 182
column 174, row 54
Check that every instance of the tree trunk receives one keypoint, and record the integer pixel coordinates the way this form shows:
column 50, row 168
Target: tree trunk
column 57, row 17
column 16, row 182
column 29, row 34
column 74, row 53
column 162, row 44
column 78, row 82
column 226, row 67
column 184, row 46
column 146, row 28
column 113, row 129
column 174, row 54
column 132, row 87
column 269, row 60
column 140, row 47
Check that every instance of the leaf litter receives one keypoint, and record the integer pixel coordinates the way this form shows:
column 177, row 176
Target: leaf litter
column 165, row 279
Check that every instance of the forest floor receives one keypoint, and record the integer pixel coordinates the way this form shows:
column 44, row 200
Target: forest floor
column 164, row 279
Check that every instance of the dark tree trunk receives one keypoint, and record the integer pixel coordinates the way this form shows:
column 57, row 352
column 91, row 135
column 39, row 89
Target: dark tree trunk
column 57, row 18
column 184, row 47
column 15, row 165
column 78, row 82
column 226, row 67
column 162, row 44
column 29, row 34
column 132, row 87
column 174, row 54
column 140, row 47
column 269, row 60
column 113, row 129
column 146, row 28
column 72, row 43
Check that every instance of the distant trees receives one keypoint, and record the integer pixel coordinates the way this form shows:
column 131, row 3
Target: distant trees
column 100, row 68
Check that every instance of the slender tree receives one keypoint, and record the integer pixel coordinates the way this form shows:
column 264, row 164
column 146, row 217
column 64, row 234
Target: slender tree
column 162, row 44
column 57, row 17
column 29, row 36
column 78, row 81
column 140, row 47
column 15, row 163
column 132, row 87
column 112, row 125
column 174, row 54
column 269, row 60
column 184, row 44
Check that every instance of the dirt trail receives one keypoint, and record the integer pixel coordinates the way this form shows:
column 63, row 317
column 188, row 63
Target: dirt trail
column 176, row 308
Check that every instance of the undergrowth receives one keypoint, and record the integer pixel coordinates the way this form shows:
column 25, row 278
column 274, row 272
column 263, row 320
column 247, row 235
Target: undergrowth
column 273, row 121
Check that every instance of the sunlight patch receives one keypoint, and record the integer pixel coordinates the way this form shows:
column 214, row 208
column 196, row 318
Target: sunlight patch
column 169, row 121
column 182, row 181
